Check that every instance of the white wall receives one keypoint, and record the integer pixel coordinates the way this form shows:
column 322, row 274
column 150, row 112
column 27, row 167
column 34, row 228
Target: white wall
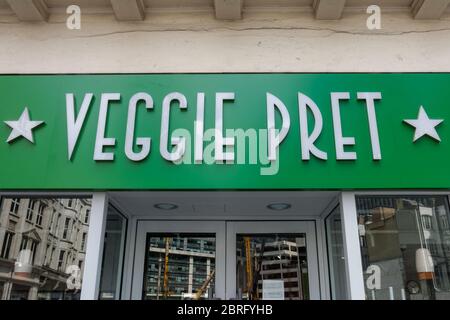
column 196, row 42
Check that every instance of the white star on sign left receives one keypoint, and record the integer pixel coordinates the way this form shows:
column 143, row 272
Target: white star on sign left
column 23, row 127
column 424, row 125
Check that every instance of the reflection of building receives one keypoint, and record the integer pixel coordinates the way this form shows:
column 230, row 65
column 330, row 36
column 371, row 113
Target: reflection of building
column 39, row 239
column 276, row 259
column 190, row 260
column 393, row 232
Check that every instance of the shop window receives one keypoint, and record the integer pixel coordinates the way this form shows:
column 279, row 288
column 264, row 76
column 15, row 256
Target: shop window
column 404, row 247
column 32, row 264
column 336, row 258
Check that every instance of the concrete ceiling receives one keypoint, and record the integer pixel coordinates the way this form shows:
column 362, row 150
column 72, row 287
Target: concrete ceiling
column 208, row 204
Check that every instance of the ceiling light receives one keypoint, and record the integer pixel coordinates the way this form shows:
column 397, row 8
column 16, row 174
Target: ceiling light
column 279, row 206
column 165, row 206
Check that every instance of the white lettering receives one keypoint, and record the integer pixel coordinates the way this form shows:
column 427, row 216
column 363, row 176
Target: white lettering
column 274, row 139
column 74, row 125
column 370, row 98
column 220, row 141
column 178, row 143
column 144, row 143
column 101, row 141
column 339, row 140
column 307, row 141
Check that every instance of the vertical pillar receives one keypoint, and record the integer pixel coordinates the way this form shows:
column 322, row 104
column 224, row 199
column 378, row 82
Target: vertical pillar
column 352, row 250
column 32, row 293
column 2, row 236
column 208, row 272
column 94, row 248
column 5, row 295
column 191, row 275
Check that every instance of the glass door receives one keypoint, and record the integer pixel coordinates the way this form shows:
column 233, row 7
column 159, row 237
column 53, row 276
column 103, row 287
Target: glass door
column 179, row 260
column 194, row 260
column 272, row 261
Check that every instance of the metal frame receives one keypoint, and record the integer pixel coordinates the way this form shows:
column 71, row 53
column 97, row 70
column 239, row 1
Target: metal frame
column 325, row 270
column 94, row 248
column 352, row 251
column 323, row 260
column 129, row 258
column 124, row 233
column 330, row 262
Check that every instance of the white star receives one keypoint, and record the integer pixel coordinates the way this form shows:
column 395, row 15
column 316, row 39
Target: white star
column 23, row 127
column 424, row 125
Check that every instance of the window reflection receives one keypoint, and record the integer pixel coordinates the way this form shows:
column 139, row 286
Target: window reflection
column 40, row 256
column 271, row 266
column 405, row 245
column 180, row 266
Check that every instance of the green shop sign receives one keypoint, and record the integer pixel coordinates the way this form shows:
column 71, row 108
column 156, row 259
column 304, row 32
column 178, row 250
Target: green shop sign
column 225, row 131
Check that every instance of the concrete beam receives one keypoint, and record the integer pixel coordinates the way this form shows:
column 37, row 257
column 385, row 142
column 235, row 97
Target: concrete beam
column 129, row 10
column 228, row 9
column 429, row 9
column 29, row 10
column 328, row 9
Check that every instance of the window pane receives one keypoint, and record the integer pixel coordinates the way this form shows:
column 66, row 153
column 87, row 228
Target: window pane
column 405, row 246
column 271, row 266
column 180, row 266
column 37, row 262
column 113, row 253
column 336, row 258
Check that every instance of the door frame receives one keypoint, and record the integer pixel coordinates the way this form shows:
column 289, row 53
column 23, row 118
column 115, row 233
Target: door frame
column 267, row 227
column 178, row 226
column 225, row 231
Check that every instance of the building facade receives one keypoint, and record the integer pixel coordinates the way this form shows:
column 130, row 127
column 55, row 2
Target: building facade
column 224, row 149
column 42, row 241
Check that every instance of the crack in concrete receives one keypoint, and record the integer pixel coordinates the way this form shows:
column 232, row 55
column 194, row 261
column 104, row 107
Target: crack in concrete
column 331, row 31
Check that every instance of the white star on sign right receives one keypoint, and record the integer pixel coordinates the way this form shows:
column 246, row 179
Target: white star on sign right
column 424, row 125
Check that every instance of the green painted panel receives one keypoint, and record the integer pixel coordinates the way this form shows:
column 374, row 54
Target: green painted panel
column 44, row 164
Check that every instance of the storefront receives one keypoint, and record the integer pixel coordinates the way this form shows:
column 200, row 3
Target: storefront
column 230, row 183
